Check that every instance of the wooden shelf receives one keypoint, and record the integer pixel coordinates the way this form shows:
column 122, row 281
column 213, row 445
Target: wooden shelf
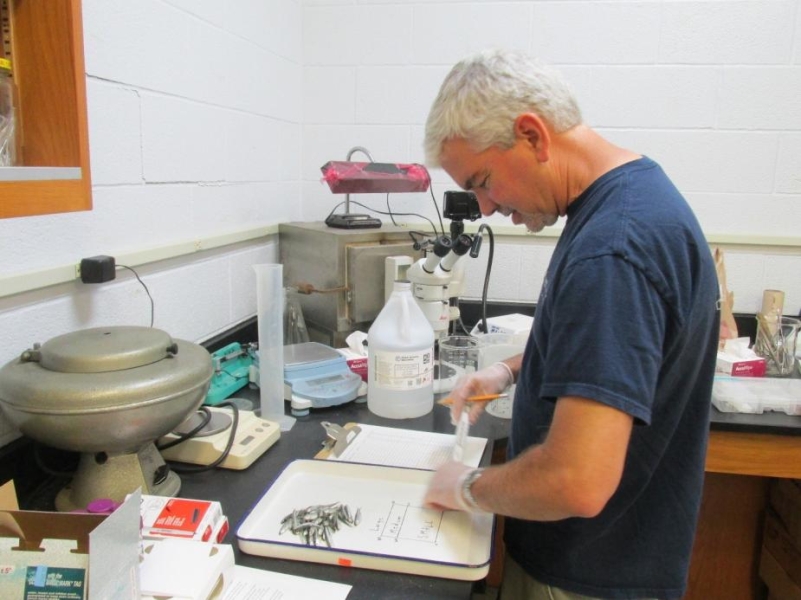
column 758, row 454
column 48, row 67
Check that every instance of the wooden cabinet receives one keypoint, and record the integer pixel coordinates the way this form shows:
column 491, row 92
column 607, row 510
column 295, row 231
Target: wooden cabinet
column 48, row 65
column 740, row 467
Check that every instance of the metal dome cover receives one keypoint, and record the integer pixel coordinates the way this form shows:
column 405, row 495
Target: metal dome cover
column 103, row 368
column 103, row 349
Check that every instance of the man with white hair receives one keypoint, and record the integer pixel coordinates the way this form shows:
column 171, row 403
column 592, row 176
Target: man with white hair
column 605, row 467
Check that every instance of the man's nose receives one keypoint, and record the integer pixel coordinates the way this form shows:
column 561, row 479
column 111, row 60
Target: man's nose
column 486, row 205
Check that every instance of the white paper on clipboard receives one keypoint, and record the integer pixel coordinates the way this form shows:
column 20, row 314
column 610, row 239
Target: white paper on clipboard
column 394, row 447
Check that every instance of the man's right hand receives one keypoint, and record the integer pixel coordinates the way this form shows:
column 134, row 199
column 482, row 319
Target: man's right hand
column 489, row 380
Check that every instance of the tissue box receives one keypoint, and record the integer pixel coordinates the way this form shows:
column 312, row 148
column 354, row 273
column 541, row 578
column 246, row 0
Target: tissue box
column 184, row 570
column 356, row 362
column 740, row 367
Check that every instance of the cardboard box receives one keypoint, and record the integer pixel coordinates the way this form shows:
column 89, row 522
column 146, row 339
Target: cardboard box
column 185, row 518
column 777, row 579
column 740, row 367
column 67, row 555
column 184, row 570
column 778, row 542
column 785, row 498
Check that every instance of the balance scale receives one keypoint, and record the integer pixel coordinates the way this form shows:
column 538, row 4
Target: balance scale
column 254, row 436
column 317, row 376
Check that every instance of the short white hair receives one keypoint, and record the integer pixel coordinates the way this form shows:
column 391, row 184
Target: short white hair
column 483, row 95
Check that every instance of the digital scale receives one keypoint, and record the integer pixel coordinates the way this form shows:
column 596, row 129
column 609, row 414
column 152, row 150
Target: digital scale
column 317, row 376
column 254, row 436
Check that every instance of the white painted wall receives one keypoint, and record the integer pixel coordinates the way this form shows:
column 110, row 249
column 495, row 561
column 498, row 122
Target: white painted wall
column 710, row 89
column 195, row 131
column 210, row 116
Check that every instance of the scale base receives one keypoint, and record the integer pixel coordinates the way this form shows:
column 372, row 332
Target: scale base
column 114, row 476
column 351, row 221
column 254, row 436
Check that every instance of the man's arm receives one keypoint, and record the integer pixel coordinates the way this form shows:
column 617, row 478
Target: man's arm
column 573, row 473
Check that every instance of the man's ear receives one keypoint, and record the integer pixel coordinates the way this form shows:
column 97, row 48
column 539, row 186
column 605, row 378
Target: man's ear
column 531, row 128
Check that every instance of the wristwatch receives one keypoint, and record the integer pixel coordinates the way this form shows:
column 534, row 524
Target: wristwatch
column 467, row 490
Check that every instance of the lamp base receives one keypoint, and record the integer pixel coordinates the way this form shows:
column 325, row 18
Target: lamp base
column 351, row 221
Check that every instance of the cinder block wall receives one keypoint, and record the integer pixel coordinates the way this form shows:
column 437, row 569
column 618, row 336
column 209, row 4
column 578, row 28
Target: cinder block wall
column 211, row 117
column 710, row 89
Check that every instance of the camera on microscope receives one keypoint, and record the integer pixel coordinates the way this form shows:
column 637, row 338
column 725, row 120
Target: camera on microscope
column 459, row 206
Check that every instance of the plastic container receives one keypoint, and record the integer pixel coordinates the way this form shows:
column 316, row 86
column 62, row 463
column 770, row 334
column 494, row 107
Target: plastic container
column 400, row 355
column 498, row 347
column 270, row 306
column 756, row 395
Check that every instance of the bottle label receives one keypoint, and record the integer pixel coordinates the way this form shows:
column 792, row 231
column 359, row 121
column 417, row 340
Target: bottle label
column 407, row 370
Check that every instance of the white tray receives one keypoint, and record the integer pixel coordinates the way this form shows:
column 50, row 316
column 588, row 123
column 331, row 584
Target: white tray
column 395, row 532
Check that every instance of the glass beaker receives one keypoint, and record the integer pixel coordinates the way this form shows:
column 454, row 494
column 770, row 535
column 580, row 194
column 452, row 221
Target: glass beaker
column 295, row 331
column 776, row 343
column 457, row 355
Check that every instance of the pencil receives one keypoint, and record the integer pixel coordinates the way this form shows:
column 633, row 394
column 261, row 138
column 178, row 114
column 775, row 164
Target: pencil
column 481, row 398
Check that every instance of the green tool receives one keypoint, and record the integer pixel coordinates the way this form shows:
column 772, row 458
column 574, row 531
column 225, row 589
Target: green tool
column 232, row 365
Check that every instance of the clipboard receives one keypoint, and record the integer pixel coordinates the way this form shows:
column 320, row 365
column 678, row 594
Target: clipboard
column 394, row 447
column 339, row 437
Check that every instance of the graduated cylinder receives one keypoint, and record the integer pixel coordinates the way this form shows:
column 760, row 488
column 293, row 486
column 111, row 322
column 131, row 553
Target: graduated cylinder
column 400, row 351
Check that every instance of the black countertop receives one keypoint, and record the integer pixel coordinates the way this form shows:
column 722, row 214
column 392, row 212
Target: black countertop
column 238, row 491
column 776, row 423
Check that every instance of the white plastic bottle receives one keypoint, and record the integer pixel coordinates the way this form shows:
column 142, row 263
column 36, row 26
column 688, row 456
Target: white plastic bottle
column 400, row 351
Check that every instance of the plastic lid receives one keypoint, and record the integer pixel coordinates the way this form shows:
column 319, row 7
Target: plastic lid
column 101, row 506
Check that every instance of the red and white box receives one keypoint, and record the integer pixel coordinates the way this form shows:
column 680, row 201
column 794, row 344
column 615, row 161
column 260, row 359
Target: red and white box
column 200, row 520
column 738, row 360
column 356, row 362
column 741, row 367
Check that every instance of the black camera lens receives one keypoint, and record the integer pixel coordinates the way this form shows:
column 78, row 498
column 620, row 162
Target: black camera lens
column 459, row 206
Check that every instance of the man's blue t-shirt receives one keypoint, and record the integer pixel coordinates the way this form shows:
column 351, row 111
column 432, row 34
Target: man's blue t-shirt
column 628, row 317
